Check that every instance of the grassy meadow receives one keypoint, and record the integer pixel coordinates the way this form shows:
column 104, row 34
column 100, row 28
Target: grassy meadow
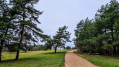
column 102, row 61
column 34, row 59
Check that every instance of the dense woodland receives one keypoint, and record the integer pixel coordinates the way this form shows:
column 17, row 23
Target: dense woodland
column 100, row 35
column 19, row 29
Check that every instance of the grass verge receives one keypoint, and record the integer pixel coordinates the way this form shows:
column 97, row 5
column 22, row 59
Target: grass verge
column 102, row 61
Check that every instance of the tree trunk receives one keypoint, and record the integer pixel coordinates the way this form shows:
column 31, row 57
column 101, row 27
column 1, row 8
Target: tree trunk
column 114, row 50
column 0, row 55
column 2, row 42
column 1, row 47
column 112, row 34
column 17, row 55
column 20, row 44
column 55, row 49
column 21, row 38
column 105, row 30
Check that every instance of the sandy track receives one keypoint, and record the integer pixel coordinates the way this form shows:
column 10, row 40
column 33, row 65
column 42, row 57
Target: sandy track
column 73, row 60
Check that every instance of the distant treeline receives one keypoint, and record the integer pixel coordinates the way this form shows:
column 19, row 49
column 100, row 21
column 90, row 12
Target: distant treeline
column 100, row 35
column 45, row 47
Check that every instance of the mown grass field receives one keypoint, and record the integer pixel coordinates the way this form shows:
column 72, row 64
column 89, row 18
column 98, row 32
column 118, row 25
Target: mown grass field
column 102, row 61
column 34, row 59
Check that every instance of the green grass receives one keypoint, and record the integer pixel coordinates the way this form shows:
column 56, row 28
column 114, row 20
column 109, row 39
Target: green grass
column 34, row 59
column 102, row 61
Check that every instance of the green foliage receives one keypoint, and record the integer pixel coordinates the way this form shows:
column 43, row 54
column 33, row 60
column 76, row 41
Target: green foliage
column 48, row 43
column 101, row 35
column 68, row 47
column 18, row 24
column 43, row 47
column 13, row 47
column 61, row 37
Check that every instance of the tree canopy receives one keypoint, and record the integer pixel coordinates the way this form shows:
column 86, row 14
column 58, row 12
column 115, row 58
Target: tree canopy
column 101, row 34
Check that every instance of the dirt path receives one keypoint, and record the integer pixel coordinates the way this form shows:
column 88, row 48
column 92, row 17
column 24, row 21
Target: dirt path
column 73, row 60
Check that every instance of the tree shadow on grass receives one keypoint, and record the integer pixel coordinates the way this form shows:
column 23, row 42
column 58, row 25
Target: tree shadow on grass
column 21, row 59
column 31, row 58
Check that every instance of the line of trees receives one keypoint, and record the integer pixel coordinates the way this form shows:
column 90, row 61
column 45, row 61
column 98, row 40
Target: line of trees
column 101, row 35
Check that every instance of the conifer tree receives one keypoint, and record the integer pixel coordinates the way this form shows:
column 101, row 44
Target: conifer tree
column 27, row 22
column 6, row 24
column 61, row 37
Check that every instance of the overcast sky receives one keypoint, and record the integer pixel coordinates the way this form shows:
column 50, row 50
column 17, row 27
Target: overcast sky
column 58, row 13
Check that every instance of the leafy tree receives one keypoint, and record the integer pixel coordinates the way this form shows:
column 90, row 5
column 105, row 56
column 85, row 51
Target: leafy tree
column 30, row 47
column 108, row 16
column 27, row 22
column 68, row 47
column 6, row 24
column 48, row 42
column 101, row 35
column 85, row 30
column 43, row 47
column 61, row 37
